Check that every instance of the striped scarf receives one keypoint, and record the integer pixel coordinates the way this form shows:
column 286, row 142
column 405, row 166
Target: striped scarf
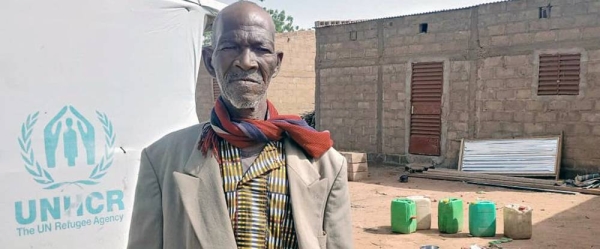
column 258, row 201
column 243, row 133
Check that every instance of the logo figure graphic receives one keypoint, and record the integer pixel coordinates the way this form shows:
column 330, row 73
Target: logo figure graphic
column 70, row 142
column 51, row 137
column 52, row 133
column 88, row 136
column 61, row 127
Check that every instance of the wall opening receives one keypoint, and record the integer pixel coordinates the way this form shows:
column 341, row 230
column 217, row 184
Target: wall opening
column 353, row 35
column 423, row 28
column 545, row 12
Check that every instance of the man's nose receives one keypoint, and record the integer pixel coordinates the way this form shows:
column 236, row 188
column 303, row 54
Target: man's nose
column 246, row 60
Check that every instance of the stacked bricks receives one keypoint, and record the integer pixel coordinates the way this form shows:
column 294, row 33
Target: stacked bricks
column 357, row 166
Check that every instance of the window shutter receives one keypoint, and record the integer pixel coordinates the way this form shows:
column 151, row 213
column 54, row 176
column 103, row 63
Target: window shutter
column 559, row 74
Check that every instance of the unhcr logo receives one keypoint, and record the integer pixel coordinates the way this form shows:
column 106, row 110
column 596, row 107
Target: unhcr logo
column 63, row 128
column 74, row 156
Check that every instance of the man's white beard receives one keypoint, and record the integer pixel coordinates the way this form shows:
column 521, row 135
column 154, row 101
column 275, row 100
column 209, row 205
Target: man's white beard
column 242, row 103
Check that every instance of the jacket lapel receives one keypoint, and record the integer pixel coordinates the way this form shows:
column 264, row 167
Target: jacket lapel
column 200, row 187
column 308, row 193
column 201, row 190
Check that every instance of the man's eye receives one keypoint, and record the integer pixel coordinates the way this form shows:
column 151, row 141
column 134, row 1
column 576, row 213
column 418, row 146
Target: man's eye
column 227, row 47
column 264, row 50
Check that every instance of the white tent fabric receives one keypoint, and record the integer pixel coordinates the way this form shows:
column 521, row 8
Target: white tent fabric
column 84, row 87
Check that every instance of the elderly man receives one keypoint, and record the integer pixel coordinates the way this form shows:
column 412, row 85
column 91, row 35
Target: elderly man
column 250, row 178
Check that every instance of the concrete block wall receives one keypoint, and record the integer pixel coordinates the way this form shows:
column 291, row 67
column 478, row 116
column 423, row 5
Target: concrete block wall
column 459, row 111
column 517, row 23
column 396, row 105
column 448, row 32
column 204, row 94
column 490, row 54
column 385, row 50
column 335, row 49
column 508, row 104
column 395, row 97
column 350, row 112
column 348, row 87
column 505, row 106
column 292, row 91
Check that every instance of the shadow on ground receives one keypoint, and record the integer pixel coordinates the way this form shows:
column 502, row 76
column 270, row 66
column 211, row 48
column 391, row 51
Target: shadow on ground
column 578, row 225
column 389, row 176
column 433, row 232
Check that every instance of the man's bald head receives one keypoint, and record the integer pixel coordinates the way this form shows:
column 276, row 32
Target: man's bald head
column 242, row 57
column 242, row 13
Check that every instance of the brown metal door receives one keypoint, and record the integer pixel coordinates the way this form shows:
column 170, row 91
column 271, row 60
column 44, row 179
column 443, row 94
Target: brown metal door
column 426, row 110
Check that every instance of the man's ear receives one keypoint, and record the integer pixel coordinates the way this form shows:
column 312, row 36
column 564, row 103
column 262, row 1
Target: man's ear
column 207, row 59
column 279, row 60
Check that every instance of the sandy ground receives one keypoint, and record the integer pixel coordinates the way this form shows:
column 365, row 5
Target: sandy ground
column 559, row 221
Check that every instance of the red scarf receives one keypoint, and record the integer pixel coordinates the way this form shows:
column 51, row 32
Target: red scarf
column 243, row 133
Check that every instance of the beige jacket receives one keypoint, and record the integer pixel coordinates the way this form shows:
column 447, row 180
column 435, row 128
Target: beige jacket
column 179, row 200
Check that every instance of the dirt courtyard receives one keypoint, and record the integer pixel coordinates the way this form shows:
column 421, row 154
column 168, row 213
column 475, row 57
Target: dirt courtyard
column 559, row 221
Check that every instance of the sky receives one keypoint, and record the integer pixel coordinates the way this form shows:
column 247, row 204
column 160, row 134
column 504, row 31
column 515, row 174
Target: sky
column 306, row 12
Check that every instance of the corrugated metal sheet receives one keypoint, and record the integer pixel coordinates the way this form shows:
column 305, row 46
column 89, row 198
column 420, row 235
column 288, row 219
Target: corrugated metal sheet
column 426, row 110
column 559, row 74
column 536, row 156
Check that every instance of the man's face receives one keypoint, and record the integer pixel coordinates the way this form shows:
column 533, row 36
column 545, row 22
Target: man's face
column 243, row 58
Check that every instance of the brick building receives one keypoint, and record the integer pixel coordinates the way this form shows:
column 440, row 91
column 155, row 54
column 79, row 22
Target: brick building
column 292, row 91
column 407, row 89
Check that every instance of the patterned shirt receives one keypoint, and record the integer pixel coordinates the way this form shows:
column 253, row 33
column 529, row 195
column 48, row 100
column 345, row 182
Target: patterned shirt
column 258, row 200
